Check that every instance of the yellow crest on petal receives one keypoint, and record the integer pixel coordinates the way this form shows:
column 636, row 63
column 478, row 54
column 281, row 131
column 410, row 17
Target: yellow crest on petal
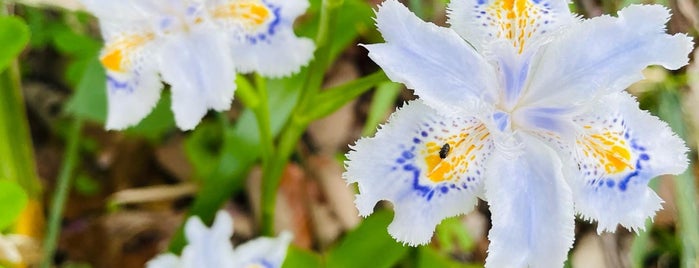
column 250, row 13
column 516, row 20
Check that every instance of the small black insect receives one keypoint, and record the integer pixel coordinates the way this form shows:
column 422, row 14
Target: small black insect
column 444, row 151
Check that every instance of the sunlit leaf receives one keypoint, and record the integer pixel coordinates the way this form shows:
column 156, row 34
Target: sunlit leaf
column 14, row 36
column 13, row 199
column 369, row 245
column 90, row 98
column 296, row 257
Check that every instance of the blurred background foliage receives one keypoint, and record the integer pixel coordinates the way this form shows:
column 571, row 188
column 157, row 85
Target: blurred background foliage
column 129, row 191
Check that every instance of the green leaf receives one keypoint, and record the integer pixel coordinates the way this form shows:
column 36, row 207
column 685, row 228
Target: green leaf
column 384, row 97
column 296, row 257
column 13, row 199
column 369, row 245
column 159, row 122
column 452, row 234
column 334, row 98
column 86, row 185
column 354, row 19
column 90, row 99
column 14, row 36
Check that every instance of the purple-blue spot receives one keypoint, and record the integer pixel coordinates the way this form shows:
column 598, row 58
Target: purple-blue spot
column 610, row 183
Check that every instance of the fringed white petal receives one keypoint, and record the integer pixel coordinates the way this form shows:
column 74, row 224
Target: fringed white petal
column 519, row 22
column 209, row 247
column 531, row 206
column 620, row 149
column 167, row 260
column 604, row 55
column 263, row 252
column 261, row 35
column 279, row 54
column 200, row 71
column 133, row 84
column 429, row 166
column 443, row 69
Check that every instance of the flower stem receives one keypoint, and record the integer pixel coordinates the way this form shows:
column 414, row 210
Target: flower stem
column 292, row 132
column 62, row 191
column 16, row 152
column 685, row 186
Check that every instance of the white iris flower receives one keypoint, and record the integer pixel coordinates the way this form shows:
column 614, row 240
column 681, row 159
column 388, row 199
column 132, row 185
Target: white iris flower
column 196, row 46
column 522, row 105
column 212, row 248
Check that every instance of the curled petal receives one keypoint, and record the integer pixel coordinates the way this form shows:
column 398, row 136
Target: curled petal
column 531, row 206
column 603, row 55
column 443, row 69
column 519, row 22
column 263, row 252
column 200, row 71
column 620, row 149
column 428, row 165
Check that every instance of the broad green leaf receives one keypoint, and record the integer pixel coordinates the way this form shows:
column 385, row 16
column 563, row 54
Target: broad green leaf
column 369, row 245
column 13, row 199
column 299, row 258
column 159, row 122
column 90, row 99
column 14, row 36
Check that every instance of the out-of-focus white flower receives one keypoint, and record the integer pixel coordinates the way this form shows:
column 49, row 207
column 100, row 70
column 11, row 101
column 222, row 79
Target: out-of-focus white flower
column 521, row 104
column 196, row 46
column 211, row 247
column 9, row 251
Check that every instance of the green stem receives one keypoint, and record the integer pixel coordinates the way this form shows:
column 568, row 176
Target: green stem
column 62, row 191
column 16, row 149
column 263, row 121
column 688, row 227
column 272, row 171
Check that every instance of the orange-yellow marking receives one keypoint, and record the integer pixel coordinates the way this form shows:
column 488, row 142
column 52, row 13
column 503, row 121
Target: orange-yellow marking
column 115, row 58
column 252, row 12
column 610, row 150
column 516, row 20
column 464, row 148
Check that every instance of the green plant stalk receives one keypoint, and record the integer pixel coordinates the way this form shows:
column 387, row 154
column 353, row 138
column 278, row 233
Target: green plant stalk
column 16, row 156
column 263, row 121
column 685, row 186
column 16, row 147
column 639, row 246
column 272, row 171
column 62, row 190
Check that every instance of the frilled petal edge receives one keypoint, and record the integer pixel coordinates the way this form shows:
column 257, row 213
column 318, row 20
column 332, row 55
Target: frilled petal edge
column 428, row 165
column 620, row 149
